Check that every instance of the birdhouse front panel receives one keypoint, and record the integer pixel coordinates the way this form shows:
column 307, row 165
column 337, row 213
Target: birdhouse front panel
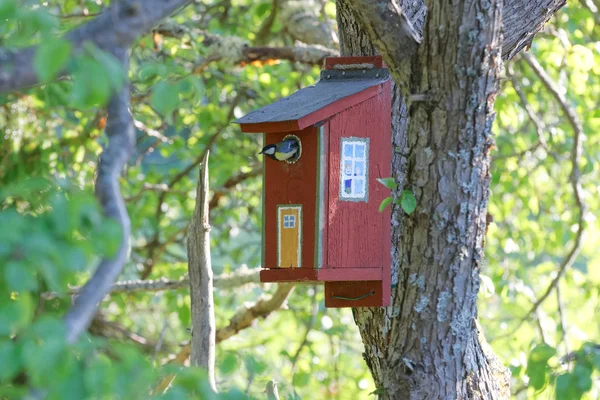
column 291, row 207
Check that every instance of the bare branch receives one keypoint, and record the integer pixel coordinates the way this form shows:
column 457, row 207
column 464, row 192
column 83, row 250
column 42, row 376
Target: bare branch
column 265, row 28
column 119, row 129
column 234, row 50
column 263, row 307
column 179, row 176
column 301, row 20
column 563, row 319
column 114, row 29
column 240, row 277
column 395, row 28
column 540, row 127
column 392, row 32
column 201, row 281
column 578, row 135
column 523, row 20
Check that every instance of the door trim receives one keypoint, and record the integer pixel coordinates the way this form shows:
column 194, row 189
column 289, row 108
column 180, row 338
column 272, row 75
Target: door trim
column 280, row 208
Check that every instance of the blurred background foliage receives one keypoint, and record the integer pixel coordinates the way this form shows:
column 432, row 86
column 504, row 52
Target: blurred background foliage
column 184, row 99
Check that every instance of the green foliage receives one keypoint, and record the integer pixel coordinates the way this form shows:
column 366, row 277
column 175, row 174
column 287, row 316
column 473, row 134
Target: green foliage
column 406, row 200
column 50, row 57
column 53, row 231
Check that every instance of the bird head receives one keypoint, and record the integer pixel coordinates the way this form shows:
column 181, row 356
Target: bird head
column 269, row 150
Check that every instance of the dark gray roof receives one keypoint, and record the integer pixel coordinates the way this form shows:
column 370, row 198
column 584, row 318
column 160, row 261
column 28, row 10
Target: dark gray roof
column 333, row 85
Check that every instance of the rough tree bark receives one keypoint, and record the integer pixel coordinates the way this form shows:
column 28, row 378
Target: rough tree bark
column 201, row 281
column 428, row 345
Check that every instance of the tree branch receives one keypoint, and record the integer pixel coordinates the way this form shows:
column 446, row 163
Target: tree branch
column 241, row 320
column 119, row 129
column 234, row 50
column 396, row 34
column 240, row 277
column 575, row 157
column 201, row 281
column 114, row 29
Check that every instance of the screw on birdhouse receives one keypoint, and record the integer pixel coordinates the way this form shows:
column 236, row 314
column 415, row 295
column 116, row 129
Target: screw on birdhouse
column 343, row 73
column 364, row 71
column 328, row 76
column 377, row 75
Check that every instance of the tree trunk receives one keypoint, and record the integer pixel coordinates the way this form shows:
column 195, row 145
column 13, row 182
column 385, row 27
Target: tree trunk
column 427, row 344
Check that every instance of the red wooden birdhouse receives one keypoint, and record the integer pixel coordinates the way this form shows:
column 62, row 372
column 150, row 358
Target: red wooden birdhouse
column 321, row 219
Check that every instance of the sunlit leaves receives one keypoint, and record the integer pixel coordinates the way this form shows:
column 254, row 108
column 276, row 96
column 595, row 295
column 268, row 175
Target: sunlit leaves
column 537, row 365
column 51, row 57
column 165, row 97
column 97, row 75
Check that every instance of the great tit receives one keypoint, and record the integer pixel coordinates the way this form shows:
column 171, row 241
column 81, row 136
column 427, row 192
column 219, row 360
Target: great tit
column 281, row 151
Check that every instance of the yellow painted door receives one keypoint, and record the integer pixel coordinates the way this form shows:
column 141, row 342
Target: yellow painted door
column 289, row 236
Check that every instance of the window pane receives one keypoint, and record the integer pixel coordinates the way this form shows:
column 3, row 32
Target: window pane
column 348, row 149
column 359, row 168
column 359, row 186
column 359, row 150
column 347, row 168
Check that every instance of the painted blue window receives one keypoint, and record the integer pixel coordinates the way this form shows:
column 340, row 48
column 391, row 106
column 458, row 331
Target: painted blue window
column 289, row 221
column 354, row 169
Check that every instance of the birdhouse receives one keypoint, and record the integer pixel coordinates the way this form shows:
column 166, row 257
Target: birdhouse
column 321, row 219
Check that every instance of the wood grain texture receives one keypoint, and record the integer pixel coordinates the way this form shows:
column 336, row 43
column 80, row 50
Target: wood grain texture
column 289, row 275
column 287, row 184
column 350, row 274
column 358, row 235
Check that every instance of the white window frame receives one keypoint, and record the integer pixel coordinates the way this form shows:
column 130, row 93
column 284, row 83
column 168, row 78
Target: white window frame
column 353, row 177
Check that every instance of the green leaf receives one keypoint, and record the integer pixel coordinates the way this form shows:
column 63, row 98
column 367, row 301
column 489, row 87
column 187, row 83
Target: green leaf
column 537, row 365
column 408, row 201
column 565, row 388
column 16, row 312
column 229, row 364
column 384, row 203
column 583, row 377
column 91, row 86
column 7, row 9
column 541, row 354
column 165, row 97
column 20, row 277
column 389, row 183
column 51, row 57
column 11, row 362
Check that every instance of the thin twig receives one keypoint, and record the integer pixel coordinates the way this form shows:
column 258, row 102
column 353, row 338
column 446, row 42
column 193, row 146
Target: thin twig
column 574, row 180
column 540, row 127
column 265, row 28
column 183, row 173
column 161, row 338
column 575, row 157
column 563, row 320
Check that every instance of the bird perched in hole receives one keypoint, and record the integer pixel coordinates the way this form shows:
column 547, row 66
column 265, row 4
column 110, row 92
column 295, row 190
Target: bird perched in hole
column 281, row 151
